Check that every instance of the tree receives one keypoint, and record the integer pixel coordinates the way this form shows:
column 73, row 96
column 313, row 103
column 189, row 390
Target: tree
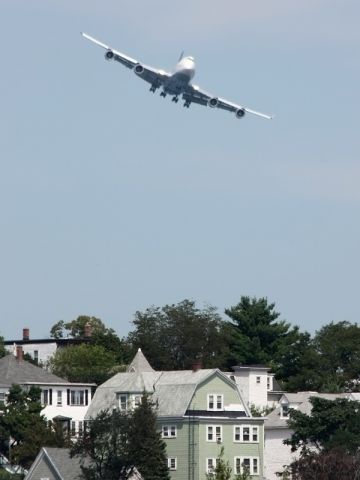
column 223, row 471
column 21, row 422
column 260, row 338
column 338, row 348
column 102, row 447
column 333, row 424
column 115, row 443
column 329, row 465
column 174, row 336
column 100, row 335
column 2, row 348
column 147, row 451
column 83, row 363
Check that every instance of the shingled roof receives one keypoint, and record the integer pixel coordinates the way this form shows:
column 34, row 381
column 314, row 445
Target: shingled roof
column 21, row 372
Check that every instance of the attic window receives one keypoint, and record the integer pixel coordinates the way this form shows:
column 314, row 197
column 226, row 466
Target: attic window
column 215, row 401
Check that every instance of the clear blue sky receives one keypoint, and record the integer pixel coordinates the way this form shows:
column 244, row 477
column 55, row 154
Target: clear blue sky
column 113, row 199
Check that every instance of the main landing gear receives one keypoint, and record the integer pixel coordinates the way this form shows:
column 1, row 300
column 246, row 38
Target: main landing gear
column 175, row 99
column 187, row 103
column 163, row 94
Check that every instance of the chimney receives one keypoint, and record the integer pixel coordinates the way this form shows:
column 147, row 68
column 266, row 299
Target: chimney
column 19, row 353
column 87, row 330
column 196, row 365
column 26, row 334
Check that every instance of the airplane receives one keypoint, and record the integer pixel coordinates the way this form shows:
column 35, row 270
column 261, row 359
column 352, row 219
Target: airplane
column 175, row 84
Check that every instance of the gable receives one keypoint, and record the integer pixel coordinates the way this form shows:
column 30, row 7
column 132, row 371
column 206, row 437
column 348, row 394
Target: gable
column 217, row 384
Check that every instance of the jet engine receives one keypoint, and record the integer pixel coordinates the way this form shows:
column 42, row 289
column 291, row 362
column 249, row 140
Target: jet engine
column 109, row 55
column 213, row 102
column 139, row 69
column 240, row 112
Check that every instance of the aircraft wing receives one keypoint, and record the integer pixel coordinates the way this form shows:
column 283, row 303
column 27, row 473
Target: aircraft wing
column 149, row 74
column 197, row 95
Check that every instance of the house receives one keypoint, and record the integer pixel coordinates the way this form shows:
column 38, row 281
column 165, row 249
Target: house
column 276, row 454
column 62, row 400
column 57, row 464
column 199, row 412
column 258, row 386
column 42, row 349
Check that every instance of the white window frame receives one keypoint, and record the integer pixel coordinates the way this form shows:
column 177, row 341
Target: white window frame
column 239, row 432
column 123, row 405
column 286, row 406
column 45, row 397
column 59, row 398
column 73, row 428
column 169, row 431
column 174, row 465
column 137, row 400
column 239, row 461
column 213, row 401
column 211, row 469
column 216, row 432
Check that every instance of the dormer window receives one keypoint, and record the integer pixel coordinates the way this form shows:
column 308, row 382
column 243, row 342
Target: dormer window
column 215, row 401
column 285, row 411
column 122, row 399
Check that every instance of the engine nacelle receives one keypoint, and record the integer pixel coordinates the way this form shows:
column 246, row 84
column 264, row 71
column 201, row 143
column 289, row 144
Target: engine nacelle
column 213, row 102
column 240, row 112
column 139, row 69
column 109, row 55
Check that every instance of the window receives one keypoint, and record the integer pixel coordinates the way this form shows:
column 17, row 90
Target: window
column 77, row 397
column 214, row 433
column 258, row 379
column 137, row 400
column 284, row 411
column 36, row 356
column 46, row 397
column 215, row 401
column 211, row 465
column 246, row 433
column 81, row 428
column 2, row 397
column 73, row 428
column 123, row 401
column 250, row 464
column 59, row 398
column 268, row 383
column 172, row 463
column 169, row 431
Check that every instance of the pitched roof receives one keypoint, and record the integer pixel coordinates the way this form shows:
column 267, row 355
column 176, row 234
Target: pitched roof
column 140, row 363
column 22, row 372
column 60, row 463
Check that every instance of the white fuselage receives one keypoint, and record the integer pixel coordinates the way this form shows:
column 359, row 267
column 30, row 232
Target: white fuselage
column 180, row 79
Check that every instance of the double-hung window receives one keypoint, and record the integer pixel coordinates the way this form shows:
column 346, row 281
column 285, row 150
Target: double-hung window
column 77, row 397
column 214, row 433
column 211, row 465
column 172, row 463
column 169, row 431
column 46, row 396
column 246, row 433
column 215, row 401
column 122, row 399
column 59, row 398
column 246, row 464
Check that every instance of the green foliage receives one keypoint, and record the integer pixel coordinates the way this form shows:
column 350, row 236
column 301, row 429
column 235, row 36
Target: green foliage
column 115, row 442
column 103, row 447
column 260, row 412
column 21, row 420
column 83, row 363
column 174, row 336
column 332, row 424
column 4, row 475
column 2, row 348
column 222, row 470
column 329, row 465
column 260, row 338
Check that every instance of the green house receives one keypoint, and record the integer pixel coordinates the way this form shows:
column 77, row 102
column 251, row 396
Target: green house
column 199, row 412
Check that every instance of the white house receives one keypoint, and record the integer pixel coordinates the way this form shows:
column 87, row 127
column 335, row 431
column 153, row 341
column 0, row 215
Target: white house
column 276, row 454
column 62, row 400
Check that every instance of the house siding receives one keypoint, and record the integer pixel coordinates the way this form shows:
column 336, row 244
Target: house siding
column 43, row 470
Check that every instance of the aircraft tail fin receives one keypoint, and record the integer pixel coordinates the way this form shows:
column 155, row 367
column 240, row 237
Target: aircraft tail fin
column 181, row 56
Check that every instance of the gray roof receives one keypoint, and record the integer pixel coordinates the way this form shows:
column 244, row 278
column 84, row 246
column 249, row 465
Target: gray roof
column 59, row 461
column 21, row 372
column 140, row 363
column 171, row 390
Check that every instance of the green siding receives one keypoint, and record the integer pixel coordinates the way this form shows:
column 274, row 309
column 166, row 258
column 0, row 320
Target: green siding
column 217, row 385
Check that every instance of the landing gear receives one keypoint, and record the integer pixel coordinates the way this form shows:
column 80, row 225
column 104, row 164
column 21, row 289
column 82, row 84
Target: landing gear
column 175, row 99
column 153, row 88
column 163, row 94
column 187, row 103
